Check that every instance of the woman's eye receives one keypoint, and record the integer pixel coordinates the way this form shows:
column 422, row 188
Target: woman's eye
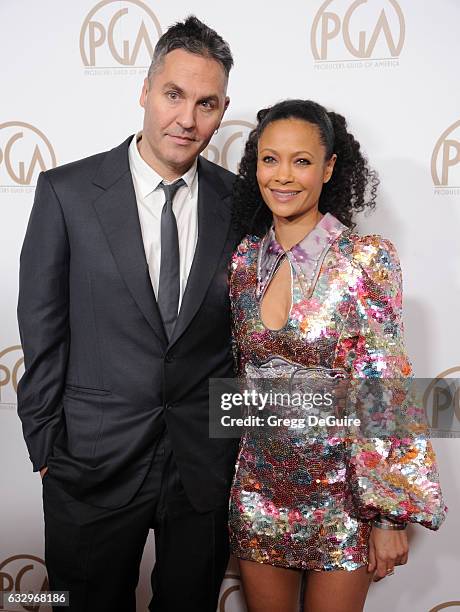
column 268, row 159
column 303, row 162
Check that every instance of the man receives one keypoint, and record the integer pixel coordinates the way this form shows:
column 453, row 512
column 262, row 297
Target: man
column 124, row 316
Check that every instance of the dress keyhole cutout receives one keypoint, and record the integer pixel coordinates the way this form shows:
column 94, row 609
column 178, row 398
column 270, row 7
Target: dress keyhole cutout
column 276, row 303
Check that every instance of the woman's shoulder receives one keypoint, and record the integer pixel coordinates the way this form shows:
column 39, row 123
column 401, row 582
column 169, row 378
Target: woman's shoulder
column 374, row 257
column 370, row 251
column 247, row 248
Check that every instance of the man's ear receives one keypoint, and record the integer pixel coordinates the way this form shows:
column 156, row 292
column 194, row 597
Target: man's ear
column 226, row 104
column 144, row 92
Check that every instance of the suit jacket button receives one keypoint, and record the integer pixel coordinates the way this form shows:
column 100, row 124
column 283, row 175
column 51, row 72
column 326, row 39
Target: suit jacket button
column 169, row 358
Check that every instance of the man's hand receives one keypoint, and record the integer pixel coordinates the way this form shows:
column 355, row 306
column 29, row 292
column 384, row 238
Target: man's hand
column 387, row 548
column 43, row 472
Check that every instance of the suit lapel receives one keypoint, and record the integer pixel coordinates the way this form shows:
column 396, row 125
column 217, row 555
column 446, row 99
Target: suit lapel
column 213, row 226
column 116, row 209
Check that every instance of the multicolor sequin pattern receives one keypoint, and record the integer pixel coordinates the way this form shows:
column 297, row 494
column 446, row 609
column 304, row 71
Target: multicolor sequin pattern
column 307, row 504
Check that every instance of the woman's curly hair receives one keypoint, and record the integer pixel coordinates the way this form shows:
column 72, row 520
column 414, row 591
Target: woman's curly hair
column 351, row 188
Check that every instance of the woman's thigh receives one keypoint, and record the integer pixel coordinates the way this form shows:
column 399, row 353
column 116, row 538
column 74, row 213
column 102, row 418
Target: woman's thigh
column 268, row 588
column 337, row 591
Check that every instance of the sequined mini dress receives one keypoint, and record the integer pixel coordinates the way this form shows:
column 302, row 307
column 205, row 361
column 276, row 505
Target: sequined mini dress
column 309, row 504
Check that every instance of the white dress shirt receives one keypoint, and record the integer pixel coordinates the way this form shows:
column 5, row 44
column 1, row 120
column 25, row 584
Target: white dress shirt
column 150, row 200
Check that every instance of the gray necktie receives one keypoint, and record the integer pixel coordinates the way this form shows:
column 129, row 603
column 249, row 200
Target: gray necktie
column 169, row 286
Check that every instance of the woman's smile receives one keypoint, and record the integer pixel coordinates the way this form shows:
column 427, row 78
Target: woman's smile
column 283, row 195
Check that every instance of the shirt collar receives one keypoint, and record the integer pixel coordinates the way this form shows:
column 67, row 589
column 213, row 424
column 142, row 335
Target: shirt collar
column 148, row 179
column 305, row 257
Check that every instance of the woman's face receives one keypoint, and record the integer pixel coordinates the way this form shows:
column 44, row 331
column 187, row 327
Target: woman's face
column 291, row 167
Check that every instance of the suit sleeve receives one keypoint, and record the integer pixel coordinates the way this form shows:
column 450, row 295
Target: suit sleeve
column 43, row 308
column 395, row 474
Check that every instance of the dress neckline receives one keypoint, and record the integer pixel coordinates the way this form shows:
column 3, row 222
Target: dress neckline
column 305, row 257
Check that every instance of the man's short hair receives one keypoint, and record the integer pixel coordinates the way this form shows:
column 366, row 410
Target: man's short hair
column 193, row 36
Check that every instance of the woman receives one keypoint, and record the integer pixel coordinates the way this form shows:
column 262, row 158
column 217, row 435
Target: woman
column 309, row 293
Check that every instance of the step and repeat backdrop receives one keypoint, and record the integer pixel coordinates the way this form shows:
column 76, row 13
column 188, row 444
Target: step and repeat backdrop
column 72, row 74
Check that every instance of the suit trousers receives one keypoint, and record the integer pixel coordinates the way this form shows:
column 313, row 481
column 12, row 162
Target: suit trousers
column 95, row 553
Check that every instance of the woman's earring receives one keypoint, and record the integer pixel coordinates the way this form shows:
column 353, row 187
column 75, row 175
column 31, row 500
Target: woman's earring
column 216, row 131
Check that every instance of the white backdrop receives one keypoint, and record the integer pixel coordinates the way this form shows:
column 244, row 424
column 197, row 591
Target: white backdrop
column 71, row 77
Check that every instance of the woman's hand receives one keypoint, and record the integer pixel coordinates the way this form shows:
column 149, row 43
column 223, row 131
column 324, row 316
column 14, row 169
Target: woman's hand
column 387, row 548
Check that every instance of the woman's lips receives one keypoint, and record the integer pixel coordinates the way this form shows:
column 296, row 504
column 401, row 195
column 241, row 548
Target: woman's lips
column 284, row 196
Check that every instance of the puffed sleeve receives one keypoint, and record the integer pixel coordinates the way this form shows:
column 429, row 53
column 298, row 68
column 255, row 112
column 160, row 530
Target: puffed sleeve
column 394, row 476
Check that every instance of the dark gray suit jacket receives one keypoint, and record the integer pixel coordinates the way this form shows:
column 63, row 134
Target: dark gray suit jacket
column 101, row 379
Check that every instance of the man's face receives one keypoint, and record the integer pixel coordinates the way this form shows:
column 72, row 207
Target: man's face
column 184, row 103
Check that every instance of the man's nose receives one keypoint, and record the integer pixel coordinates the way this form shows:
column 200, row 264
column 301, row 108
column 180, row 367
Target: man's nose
column 186, row 118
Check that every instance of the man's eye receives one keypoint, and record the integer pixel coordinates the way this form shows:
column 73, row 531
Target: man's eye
column 207, row 104
column 172, row 95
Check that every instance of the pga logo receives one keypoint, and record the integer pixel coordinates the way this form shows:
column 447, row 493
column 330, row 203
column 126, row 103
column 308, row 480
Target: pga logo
column 227, row 147
column 117, row 34
column 11, row 370
column 25, row 151
column 445, row 160
column 441, row 403
column 23, row 574
column 363, row 29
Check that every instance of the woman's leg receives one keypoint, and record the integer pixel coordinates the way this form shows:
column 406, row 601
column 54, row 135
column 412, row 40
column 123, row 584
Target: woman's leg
column 337, row 591
column 268, row 588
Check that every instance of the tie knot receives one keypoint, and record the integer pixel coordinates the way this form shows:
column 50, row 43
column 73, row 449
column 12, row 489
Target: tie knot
column 170, row 190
